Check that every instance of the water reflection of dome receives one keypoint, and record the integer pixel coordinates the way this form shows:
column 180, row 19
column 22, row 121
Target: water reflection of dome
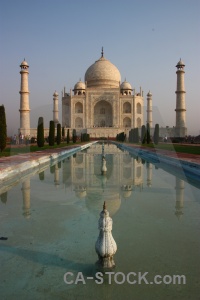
column 126, row 194
column 95, row 198
column 81, row 194
column 80, row 191
column 126, row 191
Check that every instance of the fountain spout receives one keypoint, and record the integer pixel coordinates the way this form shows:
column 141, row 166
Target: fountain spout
column 105, row 245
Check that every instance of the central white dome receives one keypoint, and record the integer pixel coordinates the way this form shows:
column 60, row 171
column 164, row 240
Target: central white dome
column 102, row 74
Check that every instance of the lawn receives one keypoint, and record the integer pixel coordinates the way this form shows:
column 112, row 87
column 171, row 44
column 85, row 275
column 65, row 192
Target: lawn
column 182, row 148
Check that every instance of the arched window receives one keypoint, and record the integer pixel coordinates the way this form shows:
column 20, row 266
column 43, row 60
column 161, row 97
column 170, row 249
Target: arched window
column 139, row 108
column 127, row 108
column 78, row 108
column 79, row 123
column 127, row 122
column 139, row 122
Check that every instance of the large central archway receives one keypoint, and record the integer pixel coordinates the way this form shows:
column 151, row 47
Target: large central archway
column 103, row 114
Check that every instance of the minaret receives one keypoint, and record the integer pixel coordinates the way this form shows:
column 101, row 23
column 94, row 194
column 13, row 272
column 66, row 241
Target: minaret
column 149, row 109
column 180, row 128
column 55, row 108
column 24, row 100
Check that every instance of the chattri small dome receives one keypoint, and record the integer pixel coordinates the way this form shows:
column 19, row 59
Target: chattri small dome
column 149, row 94
column 180, row 64
column 55, row 94
column 79, row 86
column 125, row 86
column 24, row 63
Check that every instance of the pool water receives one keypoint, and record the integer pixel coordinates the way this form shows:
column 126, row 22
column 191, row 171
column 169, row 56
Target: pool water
column 50, row 220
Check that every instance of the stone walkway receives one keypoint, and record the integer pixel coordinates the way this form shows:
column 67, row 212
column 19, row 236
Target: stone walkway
column 13, row 161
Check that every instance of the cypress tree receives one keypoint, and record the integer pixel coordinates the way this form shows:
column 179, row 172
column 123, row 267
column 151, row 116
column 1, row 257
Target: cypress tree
column 74, row 136
column 131, row 135
column 63, row 133
column 156, row 134
column 68, row 136
column 58, row 138
column 137, row 135
column 40, row 132
column 3, row 128
column 51, row 133
column 143, row 134
column 148, row 133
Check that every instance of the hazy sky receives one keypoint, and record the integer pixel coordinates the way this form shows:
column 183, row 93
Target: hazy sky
column 60, row 39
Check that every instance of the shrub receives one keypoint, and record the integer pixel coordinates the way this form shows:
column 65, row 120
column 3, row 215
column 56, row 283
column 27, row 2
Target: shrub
column 143, row 134
column 3, row 128
column 51, row 133
column 156, row 134
column 63, row 133
column 40, row 132
column 68, row 138
column 121, row 137
column 58, row 138
column 74, row 137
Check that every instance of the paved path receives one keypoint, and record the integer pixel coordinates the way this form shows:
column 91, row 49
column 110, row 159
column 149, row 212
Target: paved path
column 12, row 161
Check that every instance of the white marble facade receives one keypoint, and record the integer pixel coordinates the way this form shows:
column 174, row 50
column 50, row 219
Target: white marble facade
column 101, row 105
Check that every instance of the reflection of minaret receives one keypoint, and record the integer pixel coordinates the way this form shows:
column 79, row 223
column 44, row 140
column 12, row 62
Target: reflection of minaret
column 180, row 129
column 149, row 109
column 24, row 100
column 56, row 175
column 55, row 108
column 179, row 197
column 26, row 198
column 149, row 173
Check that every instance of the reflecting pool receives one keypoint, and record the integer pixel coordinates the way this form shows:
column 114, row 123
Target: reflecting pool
column 49, row 226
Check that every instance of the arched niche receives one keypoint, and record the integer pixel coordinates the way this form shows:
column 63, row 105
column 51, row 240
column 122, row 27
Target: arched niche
column 127, row 122
column 78, row 108
column 139, row 108
column 103, row 116
column 126, row 108
column 78, row 123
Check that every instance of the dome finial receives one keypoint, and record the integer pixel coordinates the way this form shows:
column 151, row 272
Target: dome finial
column 102, row 52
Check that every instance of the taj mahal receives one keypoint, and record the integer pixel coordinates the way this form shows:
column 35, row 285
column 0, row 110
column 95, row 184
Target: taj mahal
column 102, row 105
